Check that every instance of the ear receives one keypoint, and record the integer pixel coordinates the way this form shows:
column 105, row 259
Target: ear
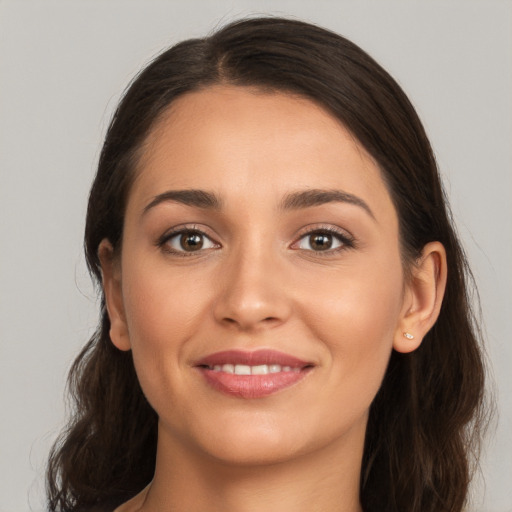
column 111, row 277
column 423, row 298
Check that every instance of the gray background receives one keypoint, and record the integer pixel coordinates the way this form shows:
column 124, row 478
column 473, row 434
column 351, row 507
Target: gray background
column 63, row 65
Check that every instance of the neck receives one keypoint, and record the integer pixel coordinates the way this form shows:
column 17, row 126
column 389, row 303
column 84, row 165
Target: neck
column 326, row 480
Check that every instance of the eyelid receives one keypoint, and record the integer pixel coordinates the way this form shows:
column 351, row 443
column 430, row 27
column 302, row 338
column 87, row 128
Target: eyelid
column 347, row 240
column 163, row 240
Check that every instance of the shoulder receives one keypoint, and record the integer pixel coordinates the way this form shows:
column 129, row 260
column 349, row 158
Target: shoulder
column 100, row 508
column 135, row 503
column 132, row 505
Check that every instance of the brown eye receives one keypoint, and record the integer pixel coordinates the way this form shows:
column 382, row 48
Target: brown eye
column 187, row 241
column 320, row 241
column 191, row 241
column 323, row 240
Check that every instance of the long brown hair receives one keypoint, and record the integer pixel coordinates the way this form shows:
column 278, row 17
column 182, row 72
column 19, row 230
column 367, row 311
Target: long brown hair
column 425, row 421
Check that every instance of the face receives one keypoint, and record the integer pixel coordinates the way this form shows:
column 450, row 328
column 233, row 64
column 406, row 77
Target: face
column 260, row 285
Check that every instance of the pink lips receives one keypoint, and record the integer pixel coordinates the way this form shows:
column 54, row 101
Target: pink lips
column 253, row 374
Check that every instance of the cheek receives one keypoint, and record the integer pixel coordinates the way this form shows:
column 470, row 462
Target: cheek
column 161, row 306
column 355, row 316
column 162, row 315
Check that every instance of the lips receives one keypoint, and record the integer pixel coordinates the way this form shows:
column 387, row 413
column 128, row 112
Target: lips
column 253, row 374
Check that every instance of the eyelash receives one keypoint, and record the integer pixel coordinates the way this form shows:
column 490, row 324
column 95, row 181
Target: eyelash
column 163, row 241
column 346, row 240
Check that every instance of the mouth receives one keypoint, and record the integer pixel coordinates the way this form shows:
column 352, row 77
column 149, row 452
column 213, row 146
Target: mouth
column 253, row 374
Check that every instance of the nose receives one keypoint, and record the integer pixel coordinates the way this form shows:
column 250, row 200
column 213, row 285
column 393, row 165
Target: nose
column 252, row 294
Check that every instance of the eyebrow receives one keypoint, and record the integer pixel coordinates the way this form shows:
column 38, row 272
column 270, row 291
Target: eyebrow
column 189, row 197
column 292, row 201
column 317, row 197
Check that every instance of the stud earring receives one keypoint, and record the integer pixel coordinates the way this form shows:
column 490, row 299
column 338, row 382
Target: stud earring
column 408, row 335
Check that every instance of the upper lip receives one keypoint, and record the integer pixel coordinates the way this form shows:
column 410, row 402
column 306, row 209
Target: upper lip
column 252, row 358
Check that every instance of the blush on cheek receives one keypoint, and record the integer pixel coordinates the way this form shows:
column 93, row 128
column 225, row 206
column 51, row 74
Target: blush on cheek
column 358, row 327
column 158, row 378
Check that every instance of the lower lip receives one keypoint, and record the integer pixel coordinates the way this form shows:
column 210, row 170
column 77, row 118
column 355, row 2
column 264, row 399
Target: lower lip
column 252, row 386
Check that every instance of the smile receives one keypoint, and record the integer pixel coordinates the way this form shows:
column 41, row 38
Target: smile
column 252, row 374
column 244, row 369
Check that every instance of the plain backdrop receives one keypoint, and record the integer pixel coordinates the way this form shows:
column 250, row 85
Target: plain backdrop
column 63, row 66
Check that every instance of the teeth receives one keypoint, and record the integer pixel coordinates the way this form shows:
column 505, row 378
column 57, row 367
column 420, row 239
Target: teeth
column 261, row 369
column 242, row 369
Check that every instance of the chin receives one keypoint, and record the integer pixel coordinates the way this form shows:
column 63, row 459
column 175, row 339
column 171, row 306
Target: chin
column 254, row 452
column 257, row 443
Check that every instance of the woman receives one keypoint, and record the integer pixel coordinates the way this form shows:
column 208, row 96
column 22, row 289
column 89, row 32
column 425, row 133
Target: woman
column 285, row 317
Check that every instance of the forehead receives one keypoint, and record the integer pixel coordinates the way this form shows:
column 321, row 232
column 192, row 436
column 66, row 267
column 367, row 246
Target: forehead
column 234, row 140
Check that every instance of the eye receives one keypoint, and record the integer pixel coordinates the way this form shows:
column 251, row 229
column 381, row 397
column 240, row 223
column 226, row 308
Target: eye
column 323, row 240
column 187, row 241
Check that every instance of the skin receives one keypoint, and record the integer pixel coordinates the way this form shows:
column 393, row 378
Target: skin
column 259, row 283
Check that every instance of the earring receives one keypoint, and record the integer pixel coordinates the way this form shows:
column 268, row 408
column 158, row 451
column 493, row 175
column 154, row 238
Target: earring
column 408, row 335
